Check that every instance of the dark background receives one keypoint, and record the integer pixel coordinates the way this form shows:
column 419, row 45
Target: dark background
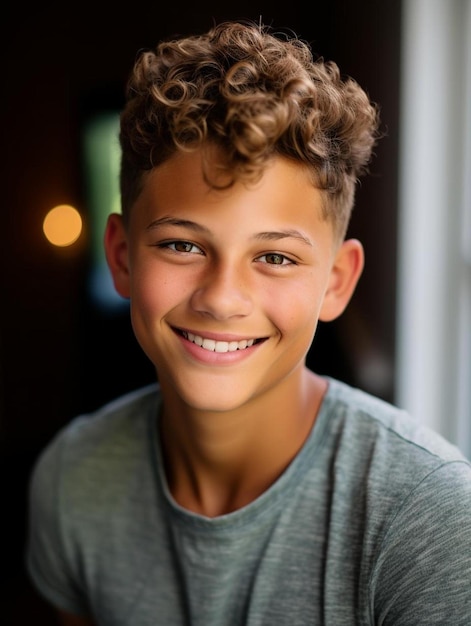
column 59, row 354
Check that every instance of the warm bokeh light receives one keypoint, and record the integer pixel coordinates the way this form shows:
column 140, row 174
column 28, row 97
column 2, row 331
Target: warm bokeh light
column 62, row 225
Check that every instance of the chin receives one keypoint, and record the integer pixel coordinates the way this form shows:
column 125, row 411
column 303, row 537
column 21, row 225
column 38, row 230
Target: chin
column 210, row 395
column 222, row 403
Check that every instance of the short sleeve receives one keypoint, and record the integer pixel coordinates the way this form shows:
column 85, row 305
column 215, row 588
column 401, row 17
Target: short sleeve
column 48, row 563
column 423, row 573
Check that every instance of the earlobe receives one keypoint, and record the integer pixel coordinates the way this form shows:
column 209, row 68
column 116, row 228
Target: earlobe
column 345, row 273
column 117, row 253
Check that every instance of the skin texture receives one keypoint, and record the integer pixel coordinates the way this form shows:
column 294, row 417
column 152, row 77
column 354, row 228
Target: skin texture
column 246, row 263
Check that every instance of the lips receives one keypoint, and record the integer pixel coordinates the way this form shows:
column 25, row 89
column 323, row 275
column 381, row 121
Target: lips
column 218, row 346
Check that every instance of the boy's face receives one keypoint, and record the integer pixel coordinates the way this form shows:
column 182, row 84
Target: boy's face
column 209, row 272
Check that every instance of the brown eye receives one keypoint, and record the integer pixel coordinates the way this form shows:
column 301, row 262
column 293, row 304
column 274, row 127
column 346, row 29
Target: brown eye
column 180, row 246
column 273, row 258
column 183, row 246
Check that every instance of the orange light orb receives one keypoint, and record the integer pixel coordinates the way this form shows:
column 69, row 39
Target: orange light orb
column 62, row 226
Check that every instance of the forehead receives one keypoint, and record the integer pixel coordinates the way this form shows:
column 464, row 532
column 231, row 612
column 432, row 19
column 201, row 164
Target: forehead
column 180, row 184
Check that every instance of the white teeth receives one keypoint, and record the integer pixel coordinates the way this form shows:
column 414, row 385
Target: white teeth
column 219, row 346
column 209, row 344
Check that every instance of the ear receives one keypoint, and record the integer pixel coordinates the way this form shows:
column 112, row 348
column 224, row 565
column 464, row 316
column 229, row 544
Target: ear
column 117, row 254
column 346, row 270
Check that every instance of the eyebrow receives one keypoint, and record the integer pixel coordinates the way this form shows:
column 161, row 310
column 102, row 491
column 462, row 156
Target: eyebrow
column 174, row 221
column 270, row 235
column 273, row 235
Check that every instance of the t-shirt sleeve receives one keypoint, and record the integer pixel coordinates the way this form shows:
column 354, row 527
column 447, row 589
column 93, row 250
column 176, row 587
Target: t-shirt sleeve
column 423, row 573
column 47, row 558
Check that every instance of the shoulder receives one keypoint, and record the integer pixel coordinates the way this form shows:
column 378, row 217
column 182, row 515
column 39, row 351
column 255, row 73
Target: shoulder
column 408, row 492
column 382, row 427
column 87, row 484
column 98, row 444
column 424, row 555
column 391, row 460
column 111, row 422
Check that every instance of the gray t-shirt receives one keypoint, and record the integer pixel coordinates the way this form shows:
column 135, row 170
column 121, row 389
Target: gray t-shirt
column 370, row 524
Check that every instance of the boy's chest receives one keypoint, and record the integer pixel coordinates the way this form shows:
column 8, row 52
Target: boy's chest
column 278, row 573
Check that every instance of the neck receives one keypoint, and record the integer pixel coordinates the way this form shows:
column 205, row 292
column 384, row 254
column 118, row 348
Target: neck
column 218, row 462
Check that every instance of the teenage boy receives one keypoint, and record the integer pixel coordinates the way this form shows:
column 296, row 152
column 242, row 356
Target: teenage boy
column 243, row 488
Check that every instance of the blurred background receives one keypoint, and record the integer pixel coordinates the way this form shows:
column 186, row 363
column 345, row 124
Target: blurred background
column 66, row 344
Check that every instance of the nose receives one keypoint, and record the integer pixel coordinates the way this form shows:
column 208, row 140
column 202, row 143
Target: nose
column 223, row 293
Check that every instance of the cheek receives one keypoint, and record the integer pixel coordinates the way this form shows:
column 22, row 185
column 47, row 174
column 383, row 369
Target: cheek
column 296, row 306
column 152, row 295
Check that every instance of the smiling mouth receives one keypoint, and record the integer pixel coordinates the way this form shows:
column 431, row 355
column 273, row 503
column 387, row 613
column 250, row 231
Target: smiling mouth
column 219, row 346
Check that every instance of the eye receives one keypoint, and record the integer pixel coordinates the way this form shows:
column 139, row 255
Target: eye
column 275, row 258
column 183, row 247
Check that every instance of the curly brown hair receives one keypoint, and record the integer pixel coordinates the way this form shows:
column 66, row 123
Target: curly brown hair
column 254, row 94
